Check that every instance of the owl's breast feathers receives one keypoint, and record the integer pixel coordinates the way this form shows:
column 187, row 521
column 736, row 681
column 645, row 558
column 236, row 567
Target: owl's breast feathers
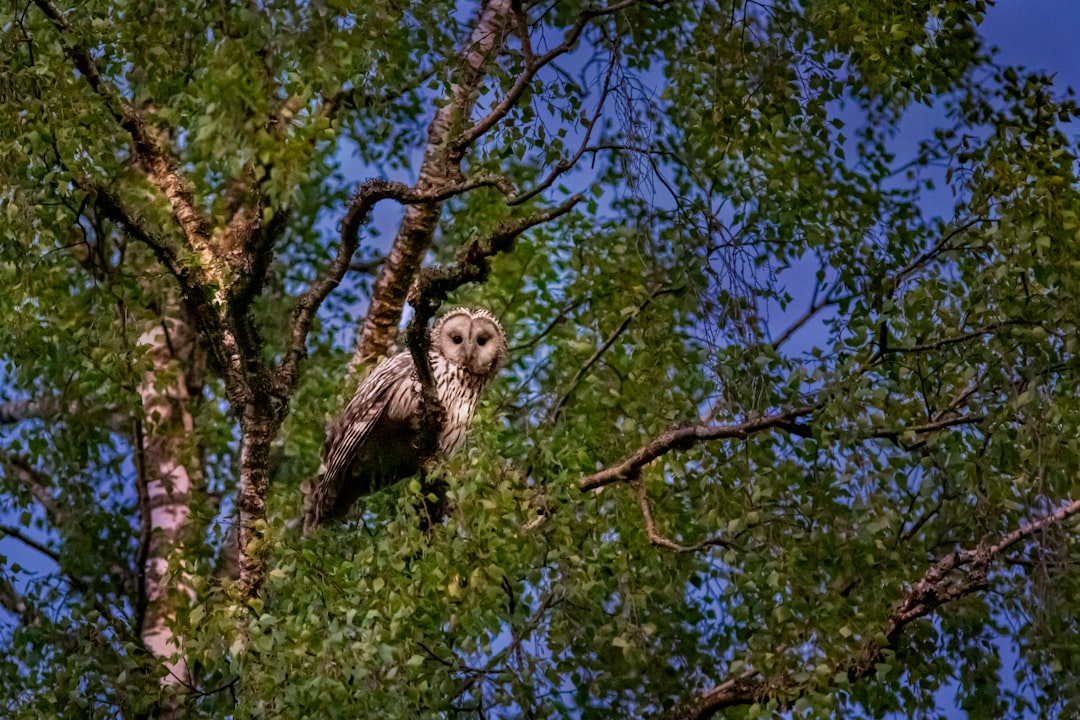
column 458, row 391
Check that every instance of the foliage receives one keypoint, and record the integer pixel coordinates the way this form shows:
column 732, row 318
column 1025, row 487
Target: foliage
column 754, row 238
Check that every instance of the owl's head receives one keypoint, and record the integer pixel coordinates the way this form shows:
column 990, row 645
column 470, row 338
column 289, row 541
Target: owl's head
column 471, row 338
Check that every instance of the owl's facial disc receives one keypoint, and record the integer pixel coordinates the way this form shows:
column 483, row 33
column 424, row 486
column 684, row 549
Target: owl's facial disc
column 473, row 343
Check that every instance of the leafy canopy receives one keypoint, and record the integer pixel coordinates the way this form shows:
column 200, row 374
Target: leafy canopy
column 756, row 239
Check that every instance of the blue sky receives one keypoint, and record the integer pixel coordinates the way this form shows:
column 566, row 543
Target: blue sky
column 1039, row 34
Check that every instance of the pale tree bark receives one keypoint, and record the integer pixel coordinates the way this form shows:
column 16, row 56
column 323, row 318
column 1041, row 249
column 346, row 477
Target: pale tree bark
column 169, row 470
column 440, row 167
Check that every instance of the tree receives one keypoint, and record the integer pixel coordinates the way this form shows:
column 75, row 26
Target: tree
column 673, row 504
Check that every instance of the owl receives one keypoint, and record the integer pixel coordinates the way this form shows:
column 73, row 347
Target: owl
column 373, row 443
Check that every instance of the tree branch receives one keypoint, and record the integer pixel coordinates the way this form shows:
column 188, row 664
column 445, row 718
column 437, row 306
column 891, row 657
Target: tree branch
column 533, row 65
column 564, row 166
column 370, row 194
column 14, row 532
column 15, row 604
column 432, row 287
column 16, row 411
column 680, row 438
column 233, row 356
column 990, row 329
column 163, row 170
column 34, row 481
column 441, row 166
column 658, row 538
column 933, row 426
column 937, row 587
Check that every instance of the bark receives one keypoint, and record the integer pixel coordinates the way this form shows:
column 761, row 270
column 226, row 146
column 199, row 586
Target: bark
column 441, row 166
column 169, row 469
column 258, row 427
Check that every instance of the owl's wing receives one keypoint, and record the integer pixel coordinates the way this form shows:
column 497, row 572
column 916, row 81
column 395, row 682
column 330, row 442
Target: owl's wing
column 392, row 390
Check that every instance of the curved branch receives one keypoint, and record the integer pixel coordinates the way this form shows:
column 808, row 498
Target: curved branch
column 659, row 539
column 370, row 194
column 630, row 469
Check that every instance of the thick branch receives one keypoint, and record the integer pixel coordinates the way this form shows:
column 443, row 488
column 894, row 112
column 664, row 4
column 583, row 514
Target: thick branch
column 232, row 356
column 680, row 438
column 360, row 207
column 168, row 471
column 111, row 207
column 162, row 169
column 441, row 166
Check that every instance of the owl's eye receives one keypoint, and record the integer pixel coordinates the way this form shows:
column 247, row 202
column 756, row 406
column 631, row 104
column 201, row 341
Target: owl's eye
column 457, row 339
column 482, row 340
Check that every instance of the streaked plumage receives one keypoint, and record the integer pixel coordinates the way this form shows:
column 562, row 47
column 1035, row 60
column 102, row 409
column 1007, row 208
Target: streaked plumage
column 371, row 445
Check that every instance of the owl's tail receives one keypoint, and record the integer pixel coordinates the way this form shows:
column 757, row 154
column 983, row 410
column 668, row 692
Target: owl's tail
column 314, row 500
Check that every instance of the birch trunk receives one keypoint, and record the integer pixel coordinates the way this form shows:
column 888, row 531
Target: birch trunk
column 169, row 471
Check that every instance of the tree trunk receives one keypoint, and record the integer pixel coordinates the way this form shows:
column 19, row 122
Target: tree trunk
column 258, row 427
column 169, row 469
column 440, row 164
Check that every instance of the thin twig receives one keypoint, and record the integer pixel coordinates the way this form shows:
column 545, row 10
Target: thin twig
column 657, row 538
column 508, row 101
column 557, row 409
